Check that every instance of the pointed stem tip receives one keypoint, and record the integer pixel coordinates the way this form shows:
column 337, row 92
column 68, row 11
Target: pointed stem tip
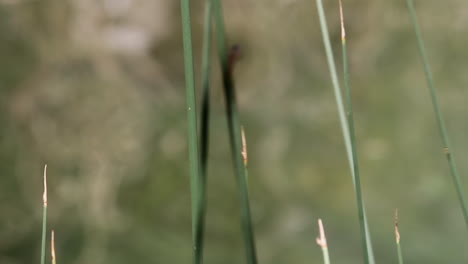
column 343, row 33
column 53, row 245
column 321, row 240
column 44, row 196
column 397, row 233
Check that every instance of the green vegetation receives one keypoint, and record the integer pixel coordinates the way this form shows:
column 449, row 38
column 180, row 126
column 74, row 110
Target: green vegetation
column 96, row 88
column 440, row 119
column 348, row 128
column 205, row 122
column 365, row 234
column 196, row 183
column 227, row 67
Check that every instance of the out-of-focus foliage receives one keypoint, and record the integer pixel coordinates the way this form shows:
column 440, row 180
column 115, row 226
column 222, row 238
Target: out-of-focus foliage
column 95, row 89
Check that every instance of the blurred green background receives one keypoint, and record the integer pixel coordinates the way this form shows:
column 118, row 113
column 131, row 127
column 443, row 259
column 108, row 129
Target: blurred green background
column 95, row 89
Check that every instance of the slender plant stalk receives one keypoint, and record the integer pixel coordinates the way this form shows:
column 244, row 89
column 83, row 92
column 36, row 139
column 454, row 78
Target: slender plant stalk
column 360, row 203
column 234, row 127
column 400, row 256
column 345, row 129
column 192, row 132
column 206, row 71
column 322, row 242
column 397, row 239
column 44, row 217
column 440, row 119
column 221, row 38
column 336, row 85
column 52, row 247
column 366, row 238
column 351, row 158
column 205, row 124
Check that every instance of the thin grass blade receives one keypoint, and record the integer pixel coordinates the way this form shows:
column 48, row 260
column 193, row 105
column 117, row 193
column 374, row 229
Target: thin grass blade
column 439, row 116
column 348, row 136
column 227, row 61
column 205, row 126
column 360, row 202
column 206, row 71
column 194, row 158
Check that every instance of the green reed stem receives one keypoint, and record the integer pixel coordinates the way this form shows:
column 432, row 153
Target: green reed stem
column 206, row 71
column 360, row 202
column 440, row 119
column 400, row 256
column 326, row 257
column 44, row 218
column 234, row 133
column 348, row 136
column 336, row 85
column 192, row 133
column 205, row 124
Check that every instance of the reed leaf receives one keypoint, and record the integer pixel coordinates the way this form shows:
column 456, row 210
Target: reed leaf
column 194, row 158
column 438, row 112
column 357, row 178
column 234, row 127
column 348, row 136
column 205, row 125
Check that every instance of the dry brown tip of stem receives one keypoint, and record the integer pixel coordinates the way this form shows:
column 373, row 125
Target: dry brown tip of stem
column 52, row 246
column 397, row 233
column 44, row 196
column 244, row 146
column 321, row 240
column 343, row 33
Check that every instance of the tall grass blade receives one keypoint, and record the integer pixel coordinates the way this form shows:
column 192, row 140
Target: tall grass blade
column 44, row 217
column 322, row 242
column 52, row 247
column 397, row 239
column 336, row 85
column 206, row 71
column 360, row 202
column 370, row 250
column 234, row 128
column 440, row 119
column 205, row 124
column 352, row 159
column 192, row 131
